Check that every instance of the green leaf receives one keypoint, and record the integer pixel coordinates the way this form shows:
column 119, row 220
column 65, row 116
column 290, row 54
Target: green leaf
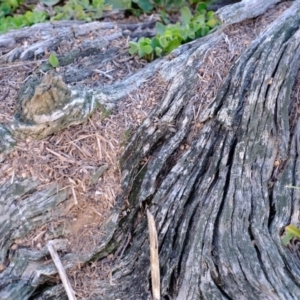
column 160, row 28
column 201, row 6
column 173, row 45
column 168, row 33
column 144, row 41
column 199, row 19
column 39, row 16
column 85, row 4
column 98, row 4
column 5, row 8
column 120, row 4
column 34, row 17
column 4, row 26
column 164, row 41
column 164, row 17
column 210, row 14
column 14, row 3
column 195, row 26
column 155, row 43
column 28, row 18
column 158, row 51
column 18, row 21
column 145, row 5
column 133, row 47
column 291, row 229
column 169, row 4
column 186, row 15
column 286, row 238
column 146, row 49
column 141, row 53
column 184, row 33
column 290, row 232
column 57, row 17
column 201, row 12
column 211, row 23
column 204, row 31
column 53, row 60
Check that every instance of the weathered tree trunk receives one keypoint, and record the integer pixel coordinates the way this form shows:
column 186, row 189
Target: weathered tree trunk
column 219, row 205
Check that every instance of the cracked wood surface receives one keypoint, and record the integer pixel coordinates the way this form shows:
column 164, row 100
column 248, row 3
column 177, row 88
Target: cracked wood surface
column 219, row 207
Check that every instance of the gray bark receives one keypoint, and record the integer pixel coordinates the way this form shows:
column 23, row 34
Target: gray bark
column 245, row 9
column 219, row 207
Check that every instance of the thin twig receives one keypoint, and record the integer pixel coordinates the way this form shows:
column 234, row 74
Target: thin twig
column 20, row 64
column 74, row 195
column 154, row 260
column 61, row 271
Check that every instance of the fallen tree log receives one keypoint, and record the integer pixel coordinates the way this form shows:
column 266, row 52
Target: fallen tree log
column 219, row 205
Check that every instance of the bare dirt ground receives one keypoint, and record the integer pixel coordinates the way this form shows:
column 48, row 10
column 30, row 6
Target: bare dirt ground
column 73, row 157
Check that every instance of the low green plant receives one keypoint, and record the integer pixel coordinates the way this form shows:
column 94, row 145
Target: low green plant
column 8, row 6
column 119, row 4
column 10, row 20
column 18, row 21
column 148, row 5
column 170, row 36
column 165, row 5
column 73, row 9
column 290, row 232
column 53, row 60
column 80, row 10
